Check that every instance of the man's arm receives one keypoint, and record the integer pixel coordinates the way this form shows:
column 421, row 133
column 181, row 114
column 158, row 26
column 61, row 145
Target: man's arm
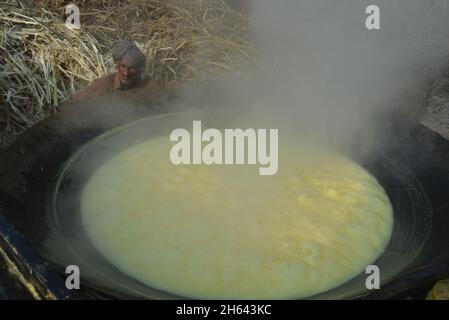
column 97, row 88
column 78, row 96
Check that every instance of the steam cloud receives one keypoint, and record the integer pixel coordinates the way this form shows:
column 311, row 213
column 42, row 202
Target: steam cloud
column 330, row 76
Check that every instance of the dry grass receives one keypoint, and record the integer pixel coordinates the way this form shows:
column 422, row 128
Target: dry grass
column 43, row 62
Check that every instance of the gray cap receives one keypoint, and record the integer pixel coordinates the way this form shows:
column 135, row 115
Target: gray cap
column 128, row 51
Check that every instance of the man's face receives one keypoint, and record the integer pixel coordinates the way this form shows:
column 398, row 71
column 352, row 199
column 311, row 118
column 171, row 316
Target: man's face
column 128, row 74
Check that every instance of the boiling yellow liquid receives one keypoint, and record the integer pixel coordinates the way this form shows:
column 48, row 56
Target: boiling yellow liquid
column 224, row 232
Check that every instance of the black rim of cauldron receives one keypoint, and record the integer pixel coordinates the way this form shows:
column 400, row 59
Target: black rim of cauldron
column 405, row 193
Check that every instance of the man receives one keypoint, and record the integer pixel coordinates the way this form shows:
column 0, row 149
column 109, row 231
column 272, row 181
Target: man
column 130, row 74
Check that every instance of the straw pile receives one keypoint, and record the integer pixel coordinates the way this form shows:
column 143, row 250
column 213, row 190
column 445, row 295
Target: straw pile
column 43, row 62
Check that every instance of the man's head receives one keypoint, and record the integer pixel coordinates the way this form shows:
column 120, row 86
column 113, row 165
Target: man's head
column 130, row 62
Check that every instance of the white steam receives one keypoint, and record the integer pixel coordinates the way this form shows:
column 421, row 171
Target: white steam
column 331, row 75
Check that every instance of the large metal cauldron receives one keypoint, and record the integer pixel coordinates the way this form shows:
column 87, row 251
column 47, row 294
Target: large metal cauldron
column 43, row 173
